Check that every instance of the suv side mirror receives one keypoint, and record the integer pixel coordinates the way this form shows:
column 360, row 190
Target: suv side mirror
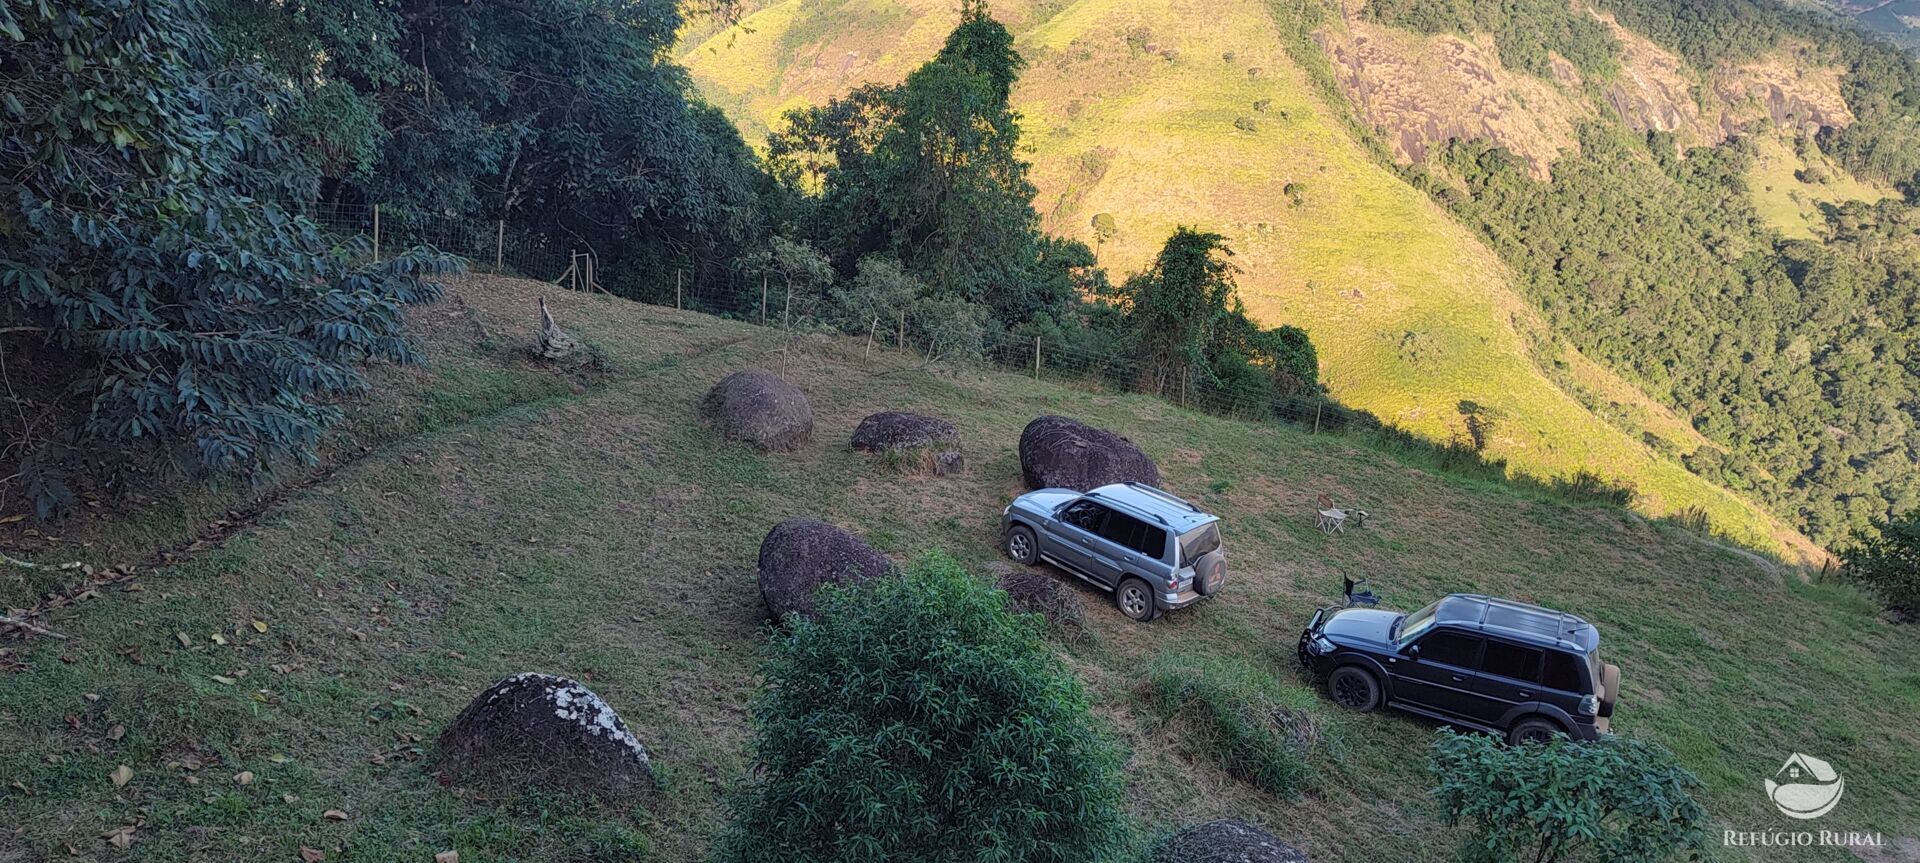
column 1413, row 651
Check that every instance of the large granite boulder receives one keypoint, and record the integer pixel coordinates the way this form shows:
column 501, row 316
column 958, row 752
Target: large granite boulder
column 799, row 555
column 761, row 409
column 1228, row 840
column 911, row 441
column 546, row 730
column 1057, row 452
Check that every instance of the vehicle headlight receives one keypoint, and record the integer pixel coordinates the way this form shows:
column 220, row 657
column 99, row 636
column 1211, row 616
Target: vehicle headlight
column 1319, row 646
column 1590, row 705
column 1006, row 509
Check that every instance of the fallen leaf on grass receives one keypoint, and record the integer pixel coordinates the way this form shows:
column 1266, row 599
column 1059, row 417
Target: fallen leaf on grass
column 244, row 777
column 116, row 732
column 447, row 857
column 221, row 678
column 334, row 815
column 311, row 855
column 185, row 639
column 119, row 837
column 218, row 638
column 278, row 758
column 259, row 626
column 121, row 775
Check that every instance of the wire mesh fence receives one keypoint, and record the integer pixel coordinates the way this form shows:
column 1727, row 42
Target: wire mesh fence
column 764, row 300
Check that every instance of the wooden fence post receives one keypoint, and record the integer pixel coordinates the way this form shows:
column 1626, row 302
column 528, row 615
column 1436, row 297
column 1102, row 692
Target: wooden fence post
column 676, row 289
column 900, row 340
column 376, row 233
column 1036, row 358
column 573, row 268
column 870, row 330
column 763, row 299
column 1316, row 413
column 500, row 246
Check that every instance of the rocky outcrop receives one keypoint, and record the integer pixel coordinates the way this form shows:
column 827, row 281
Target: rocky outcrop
column 1228, row 840
column 800, row 555
column 1057, row 452
column 546, row 730
column 761, row 409
column 915, row 442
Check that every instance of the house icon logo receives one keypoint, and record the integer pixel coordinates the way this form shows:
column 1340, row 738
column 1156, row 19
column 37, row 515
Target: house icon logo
column 1805, row 787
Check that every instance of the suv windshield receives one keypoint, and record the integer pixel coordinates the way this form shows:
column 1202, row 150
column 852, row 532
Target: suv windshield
column 1199, row 542
column 1413, row 624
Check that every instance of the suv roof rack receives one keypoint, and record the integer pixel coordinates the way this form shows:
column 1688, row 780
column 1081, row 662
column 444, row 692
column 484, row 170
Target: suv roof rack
column 1162, row 494
column 1114, row 501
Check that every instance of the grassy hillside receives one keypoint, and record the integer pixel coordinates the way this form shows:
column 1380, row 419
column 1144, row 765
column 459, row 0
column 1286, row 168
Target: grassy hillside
column 1788, row 191
column 1172, row 112
column 489, row 516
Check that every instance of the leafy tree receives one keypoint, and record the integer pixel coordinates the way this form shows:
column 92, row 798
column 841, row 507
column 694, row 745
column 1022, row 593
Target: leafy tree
column 878, row 295
column 158, row 274
column 1886, row 560
column 802, row 273
column 928, row 171
column 919, row 719
column 1617, row 799
column 1194, row 340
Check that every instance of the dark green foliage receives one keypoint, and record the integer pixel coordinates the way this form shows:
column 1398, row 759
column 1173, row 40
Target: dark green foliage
column 1235, row 715
column 1524, row 31
column 919, row 719
column 1798, row 360
column 1616, row 800
column 173, row 308
column 564, row 118
column 1886, row 560
column 1193, row 339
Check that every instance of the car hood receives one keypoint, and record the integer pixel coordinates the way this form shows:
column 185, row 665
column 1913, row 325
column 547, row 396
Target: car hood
column 1045, row 500
column 1360, row 624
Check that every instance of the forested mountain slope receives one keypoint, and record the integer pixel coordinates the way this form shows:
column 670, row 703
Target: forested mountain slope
column 1223, row 115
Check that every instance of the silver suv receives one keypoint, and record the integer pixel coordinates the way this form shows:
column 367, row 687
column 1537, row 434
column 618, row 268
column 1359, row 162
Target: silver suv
column 1155, row 551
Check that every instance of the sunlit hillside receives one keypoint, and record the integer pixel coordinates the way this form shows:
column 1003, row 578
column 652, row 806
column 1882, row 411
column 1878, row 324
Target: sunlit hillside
column 1169, row 112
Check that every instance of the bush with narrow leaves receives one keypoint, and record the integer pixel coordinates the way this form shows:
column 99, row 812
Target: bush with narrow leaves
column 157, row 285
column 918, row 719
column 1617, row 799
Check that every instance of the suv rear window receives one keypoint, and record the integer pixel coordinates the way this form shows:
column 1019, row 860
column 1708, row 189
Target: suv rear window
column 1130, row 532
column 1563, row 673
column 1450, row 648
column 1199, row 542
column 1512, row 660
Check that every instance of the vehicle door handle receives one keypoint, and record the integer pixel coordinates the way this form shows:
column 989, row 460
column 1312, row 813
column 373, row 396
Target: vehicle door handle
column 1457, row 678
column 1525, row 693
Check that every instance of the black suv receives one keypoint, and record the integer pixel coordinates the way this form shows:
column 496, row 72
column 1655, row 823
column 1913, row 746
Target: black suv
column 1493, row 664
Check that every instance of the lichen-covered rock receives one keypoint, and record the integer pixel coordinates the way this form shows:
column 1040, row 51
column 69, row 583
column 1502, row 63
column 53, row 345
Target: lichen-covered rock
column 1057, row 452
column 1031, row 590
column 799, row 555
column 1228, row 840
column 546, row 730
column 761, row 409
column 912, row 441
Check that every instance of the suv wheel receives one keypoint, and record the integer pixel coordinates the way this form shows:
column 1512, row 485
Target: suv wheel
column 1535, row 730
column 1135, row 599
column 1353, row 688
column 1021, row 545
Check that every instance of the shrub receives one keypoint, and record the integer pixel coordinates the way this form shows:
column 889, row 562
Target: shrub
column 1235, row 715
column 1616, row 799
column 1887, row 562
column 158, row 279
column 918, row 719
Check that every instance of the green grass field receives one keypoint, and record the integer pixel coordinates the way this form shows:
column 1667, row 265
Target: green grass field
column 1791, row 205
column 490, row 517
column 1136, row 109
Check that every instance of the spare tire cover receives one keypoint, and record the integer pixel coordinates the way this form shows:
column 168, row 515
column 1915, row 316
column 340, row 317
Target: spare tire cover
column 1209, row 572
